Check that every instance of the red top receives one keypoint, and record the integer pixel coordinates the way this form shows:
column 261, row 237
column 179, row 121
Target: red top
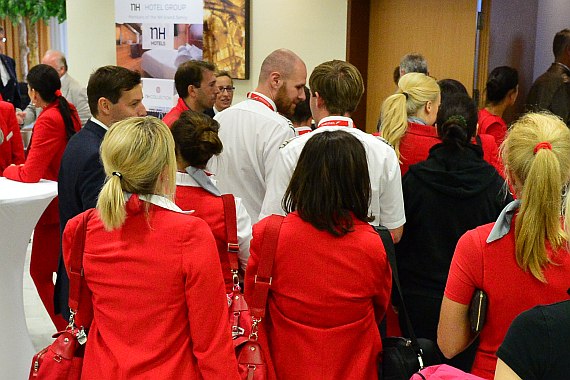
column 493, row 268
column 158, row 298
column 492, row 125
column 325, row 295
column 12, row 149
column 175, row 112
column 491, row 152
column 415, row 144
column 210, row 208
column 48, row 143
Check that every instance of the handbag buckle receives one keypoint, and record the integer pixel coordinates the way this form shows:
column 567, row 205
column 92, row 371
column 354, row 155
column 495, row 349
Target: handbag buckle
column 264, row 280
column 232, row 247
column 237, row 332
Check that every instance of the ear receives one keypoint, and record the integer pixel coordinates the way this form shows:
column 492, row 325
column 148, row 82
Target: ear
column 320, row 100
column 428, row 106
column 275, row 80
column 191, row 91
column 104, row 106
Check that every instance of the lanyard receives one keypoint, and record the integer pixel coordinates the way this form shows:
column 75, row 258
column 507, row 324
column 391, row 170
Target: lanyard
column 261, row 99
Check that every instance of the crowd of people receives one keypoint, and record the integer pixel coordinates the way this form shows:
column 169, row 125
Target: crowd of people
column 471, row 202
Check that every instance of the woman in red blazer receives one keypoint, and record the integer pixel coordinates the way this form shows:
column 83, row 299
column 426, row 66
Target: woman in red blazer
column 331, row 280
column 196, row 138
column 408, row 117
column 12, row 146
column 157, row 306
column 57, row 122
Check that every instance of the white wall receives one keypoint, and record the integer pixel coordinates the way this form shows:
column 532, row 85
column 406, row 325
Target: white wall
column 553, row 16
column 315, row 30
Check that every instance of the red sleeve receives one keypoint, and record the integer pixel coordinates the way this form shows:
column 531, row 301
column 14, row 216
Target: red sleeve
column 498, row 130
column 466, row 271
column 49, row 134
column 16, row 140
column 207, row 304
column 254, row 252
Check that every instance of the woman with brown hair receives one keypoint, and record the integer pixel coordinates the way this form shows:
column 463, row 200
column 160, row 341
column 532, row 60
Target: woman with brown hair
column 522, row 259
column 331, row 280
column 196, row 139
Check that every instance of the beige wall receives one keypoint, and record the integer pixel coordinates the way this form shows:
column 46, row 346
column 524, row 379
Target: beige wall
column 316, row 30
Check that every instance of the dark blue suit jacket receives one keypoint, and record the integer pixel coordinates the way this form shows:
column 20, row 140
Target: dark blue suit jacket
column 81, row 177
column 10, row 91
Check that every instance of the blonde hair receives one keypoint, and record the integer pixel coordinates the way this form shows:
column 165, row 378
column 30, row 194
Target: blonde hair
column 542, row 176
column 139, row 157
column 420, row 89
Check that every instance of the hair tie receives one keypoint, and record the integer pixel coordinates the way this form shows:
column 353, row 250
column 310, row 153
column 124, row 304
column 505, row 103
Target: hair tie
column 58, row 93
column 406, row 94
column 457, row 119
column 542, row 145
column 118, row 175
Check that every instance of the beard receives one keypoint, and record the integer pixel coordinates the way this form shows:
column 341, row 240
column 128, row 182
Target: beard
column 285, row 106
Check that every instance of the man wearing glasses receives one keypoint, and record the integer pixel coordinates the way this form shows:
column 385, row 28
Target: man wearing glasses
column 9, row 83
column 195, row 83
column 225, row 84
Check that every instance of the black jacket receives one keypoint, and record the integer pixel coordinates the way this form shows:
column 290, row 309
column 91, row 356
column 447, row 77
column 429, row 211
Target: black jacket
column 446, row 195
column 10, row 91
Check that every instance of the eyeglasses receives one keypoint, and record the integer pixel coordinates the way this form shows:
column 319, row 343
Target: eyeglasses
column 229, row 89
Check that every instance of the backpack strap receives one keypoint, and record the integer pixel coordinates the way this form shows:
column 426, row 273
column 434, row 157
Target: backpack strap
column 231, row 235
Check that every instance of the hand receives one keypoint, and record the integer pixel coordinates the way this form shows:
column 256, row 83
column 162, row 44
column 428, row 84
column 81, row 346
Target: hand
column 20, row 117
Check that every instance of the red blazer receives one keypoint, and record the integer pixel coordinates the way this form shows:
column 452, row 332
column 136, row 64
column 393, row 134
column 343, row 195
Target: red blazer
column 210, row 208
column 326, row 295
column 492, row 125
column 44, row 155
column 175, row 112
column 159, row 308
column 415, row 145
column 12, row 149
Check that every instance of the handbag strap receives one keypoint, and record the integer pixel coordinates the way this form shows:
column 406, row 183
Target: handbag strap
column 231, row 234
column 391, row 254
column 262, row 280
column 76, row 263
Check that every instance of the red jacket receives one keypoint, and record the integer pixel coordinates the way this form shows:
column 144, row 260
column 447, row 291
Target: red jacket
column 415, row 144
column 326, row 294
column 492, row 125
column 12, row 149
column 159, row 308
column 175, row 112
column 49, row 139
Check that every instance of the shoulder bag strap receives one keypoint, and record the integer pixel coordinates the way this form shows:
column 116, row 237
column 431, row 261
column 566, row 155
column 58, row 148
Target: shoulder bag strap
column 231, row 234
column 76, row 263
column 391, row 254
column 263, row 278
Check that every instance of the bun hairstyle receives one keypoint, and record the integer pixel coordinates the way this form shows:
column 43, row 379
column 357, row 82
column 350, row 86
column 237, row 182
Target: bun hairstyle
column 414, row 91
column 501, row 80
column 457, row 120
column 44, row 79
column 138, row 157
column 196, row 138
column 537, row 153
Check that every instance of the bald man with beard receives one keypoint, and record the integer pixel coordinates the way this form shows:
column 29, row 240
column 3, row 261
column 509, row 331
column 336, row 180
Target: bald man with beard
column 252, row 131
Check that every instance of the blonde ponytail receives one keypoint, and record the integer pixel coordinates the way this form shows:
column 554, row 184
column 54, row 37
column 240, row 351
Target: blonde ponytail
column 139, row 158
column 414, row 91
column 537, row 153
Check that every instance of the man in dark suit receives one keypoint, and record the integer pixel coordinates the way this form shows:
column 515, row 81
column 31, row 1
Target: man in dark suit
column 9, row 88
column 114, row 93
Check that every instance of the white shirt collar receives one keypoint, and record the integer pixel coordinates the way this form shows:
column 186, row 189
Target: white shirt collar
column 99, row 123
column 160, row 201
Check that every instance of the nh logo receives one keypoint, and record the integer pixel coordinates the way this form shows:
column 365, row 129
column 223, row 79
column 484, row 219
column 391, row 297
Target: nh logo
column 157, row 33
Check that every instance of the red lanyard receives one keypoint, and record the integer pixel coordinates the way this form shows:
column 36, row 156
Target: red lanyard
column 335, row 123
column 261, row 99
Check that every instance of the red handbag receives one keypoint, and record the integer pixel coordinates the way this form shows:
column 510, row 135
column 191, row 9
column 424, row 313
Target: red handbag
column 63, row 359
column 252, row 362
